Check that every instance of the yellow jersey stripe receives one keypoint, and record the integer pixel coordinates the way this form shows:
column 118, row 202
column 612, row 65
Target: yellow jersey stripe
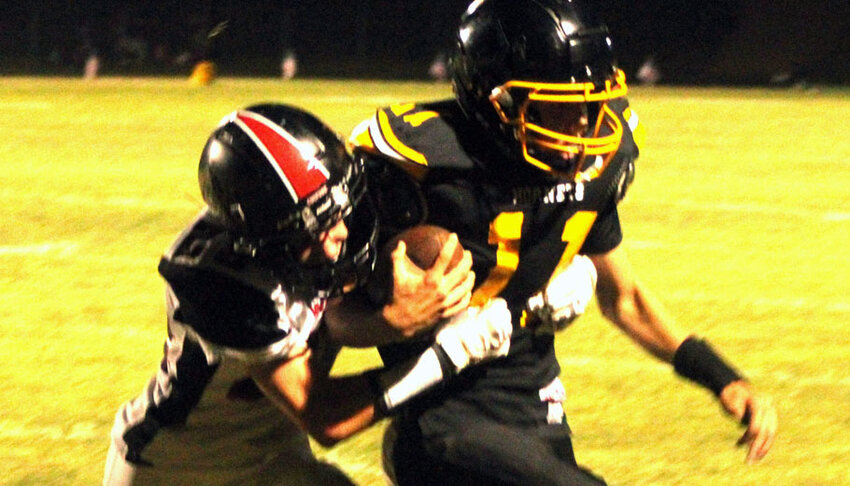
column 395, row 143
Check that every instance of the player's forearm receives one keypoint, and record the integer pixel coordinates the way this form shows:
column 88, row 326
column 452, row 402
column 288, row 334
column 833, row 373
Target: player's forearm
column 626, row 303
column 466, row 339
column 354, row 323
column 338, row 408
column 328, row 408
column 644, row 320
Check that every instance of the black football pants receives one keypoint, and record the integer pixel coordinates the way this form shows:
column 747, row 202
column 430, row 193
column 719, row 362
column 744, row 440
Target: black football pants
column 483, row 452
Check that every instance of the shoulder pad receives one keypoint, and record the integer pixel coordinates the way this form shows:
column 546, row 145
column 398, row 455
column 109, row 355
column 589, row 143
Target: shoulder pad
column 200, row 230
column 634, row 133
column 419, row 137
column 205, row 245
column 231, row 304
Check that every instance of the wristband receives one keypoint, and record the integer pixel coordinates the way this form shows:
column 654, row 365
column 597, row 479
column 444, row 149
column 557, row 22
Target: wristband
column 395, row 386
column 697, row 361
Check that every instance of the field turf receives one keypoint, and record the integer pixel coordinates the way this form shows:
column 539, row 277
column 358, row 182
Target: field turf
column 739, row 220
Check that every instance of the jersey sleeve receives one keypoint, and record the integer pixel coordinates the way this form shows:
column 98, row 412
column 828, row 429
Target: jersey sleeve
column 417, row 136
column 379, row 137
column 605, row 234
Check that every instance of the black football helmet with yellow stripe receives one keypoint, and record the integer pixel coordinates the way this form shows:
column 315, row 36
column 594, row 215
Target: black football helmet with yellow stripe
column 538, row 74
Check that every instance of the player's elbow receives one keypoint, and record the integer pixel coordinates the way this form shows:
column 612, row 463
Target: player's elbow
column 324, row 426
column 327, row 435
column 324, row 436
column 619, row 309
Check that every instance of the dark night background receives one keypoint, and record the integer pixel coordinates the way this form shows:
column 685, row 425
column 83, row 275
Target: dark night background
column 698, row 42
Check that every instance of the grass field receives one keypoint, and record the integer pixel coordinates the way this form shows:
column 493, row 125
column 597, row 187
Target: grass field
column 739, row 220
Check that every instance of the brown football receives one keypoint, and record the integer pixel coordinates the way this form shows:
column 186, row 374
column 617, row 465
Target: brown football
column 423, row 242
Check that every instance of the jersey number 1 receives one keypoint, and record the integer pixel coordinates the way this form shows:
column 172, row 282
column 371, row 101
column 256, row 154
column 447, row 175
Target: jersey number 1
column 506, row 233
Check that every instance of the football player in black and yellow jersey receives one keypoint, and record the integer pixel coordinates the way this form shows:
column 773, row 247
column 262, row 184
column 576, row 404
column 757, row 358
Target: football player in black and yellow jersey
column 527, row 166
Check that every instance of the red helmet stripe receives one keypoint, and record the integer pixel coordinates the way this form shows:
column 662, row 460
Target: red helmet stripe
column 302, row 174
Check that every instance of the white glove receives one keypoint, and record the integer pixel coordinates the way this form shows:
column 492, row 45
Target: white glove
column 566, row 296
column 477, row 334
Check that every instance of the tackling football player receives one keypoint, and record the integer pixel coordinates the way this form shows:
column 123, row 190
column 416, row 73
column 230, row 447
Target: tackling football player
column 527, row 165
column 285, row 227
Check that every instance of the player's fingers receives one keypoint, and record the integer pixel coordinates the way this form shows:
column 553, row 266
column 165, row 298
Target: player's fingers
column 752, row 429
column 458, row 299
column 756, row 451
column 754, row 426
column 747, row 411
column 457, row 275
column 756, row 442
column 764, row 433
column 445, row 257
column 400, row 251
column 465, row 263
column 460, row 292
column 459, row 307
column 402, row 266
column 769, row 436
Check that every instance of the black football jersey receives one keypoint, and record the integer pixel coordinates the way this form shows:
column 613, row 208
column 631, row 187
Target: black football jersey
column 519, row 224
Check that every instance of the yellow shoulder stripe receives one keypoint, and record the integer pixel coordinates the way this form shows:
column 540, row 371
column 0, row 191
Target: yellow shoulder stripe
column 395, row 143
column 360, row 136
column 416, row 119
column 399, row 109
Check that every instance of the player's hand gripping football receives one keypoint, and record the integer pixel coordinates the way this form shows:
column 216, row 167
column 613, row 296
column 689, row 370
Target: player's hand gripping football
column 756, row 412
column 565, row 297
column 477, row 334
column 420, row 298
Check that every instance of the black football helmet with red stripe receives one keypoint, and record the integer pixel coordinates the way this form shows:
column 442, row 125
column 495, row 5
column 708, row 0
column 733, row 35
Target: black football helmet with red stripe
column 538, row 75
column 277, row 177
